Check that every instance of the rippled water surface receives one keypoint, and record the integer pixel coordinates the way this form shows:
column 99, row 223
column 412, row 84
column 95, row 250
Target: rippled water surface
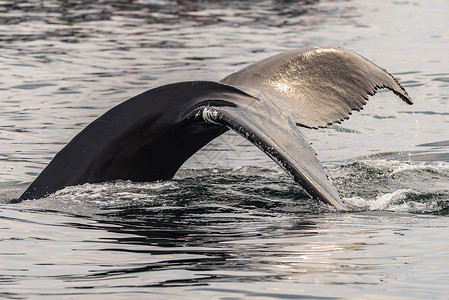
column 231, row 224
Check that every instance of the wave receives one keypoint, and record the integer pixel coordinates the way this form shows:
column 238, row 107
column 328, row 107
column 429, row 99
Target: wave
column 402, row 186
column 402, row 200
column 365, row 185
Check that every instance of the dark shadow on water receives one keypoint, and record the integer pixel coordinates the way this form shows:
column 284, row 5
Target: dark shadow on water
column 206, row 224
column 199, row 240
column 202, row 229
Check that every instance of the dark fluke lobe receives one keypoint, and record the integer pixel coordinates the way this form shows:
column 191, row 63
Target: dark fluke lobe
column 150, row 136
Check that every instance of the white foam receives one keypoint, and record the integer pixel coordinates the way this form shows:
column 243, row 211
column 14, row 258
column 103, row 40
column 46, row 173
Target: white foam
column 416, row 166
column 401, row 200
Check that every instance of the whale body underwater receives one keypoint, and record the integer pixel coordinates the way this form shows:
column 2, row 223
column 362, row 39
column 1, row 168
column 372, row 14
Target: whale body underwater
column 149, row 136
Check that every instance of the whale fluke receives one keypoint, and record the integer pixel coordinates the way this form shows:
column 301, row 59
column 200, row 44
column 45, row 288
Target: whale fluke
column 315, row 87
column 150, row 136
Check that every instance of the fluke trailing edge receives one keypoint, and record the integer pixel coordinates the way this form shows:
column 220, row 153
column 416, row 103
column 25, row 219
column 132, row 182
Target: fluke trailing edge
column 150, row 136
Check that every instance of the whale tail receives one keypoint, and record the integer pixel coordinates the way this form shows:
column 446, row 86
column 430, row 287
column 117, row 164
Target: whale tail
column 315, row 87
column 148, row 137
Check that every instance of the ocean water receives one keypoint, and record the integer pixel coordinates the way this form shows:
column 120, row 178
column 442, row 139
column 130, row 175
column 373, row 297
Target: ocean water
column 231, row 224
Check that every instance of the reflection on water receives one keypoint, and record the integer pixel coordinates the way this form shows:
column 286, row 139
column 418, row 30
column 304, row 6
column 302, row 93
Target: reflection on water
column 231, row 224
column 237, row 232
column 211, row 250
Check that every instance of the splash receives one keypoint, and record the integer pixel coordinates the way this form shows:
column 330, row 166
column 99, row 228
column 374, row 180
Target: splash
column 397, row 186
column 402, row 200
